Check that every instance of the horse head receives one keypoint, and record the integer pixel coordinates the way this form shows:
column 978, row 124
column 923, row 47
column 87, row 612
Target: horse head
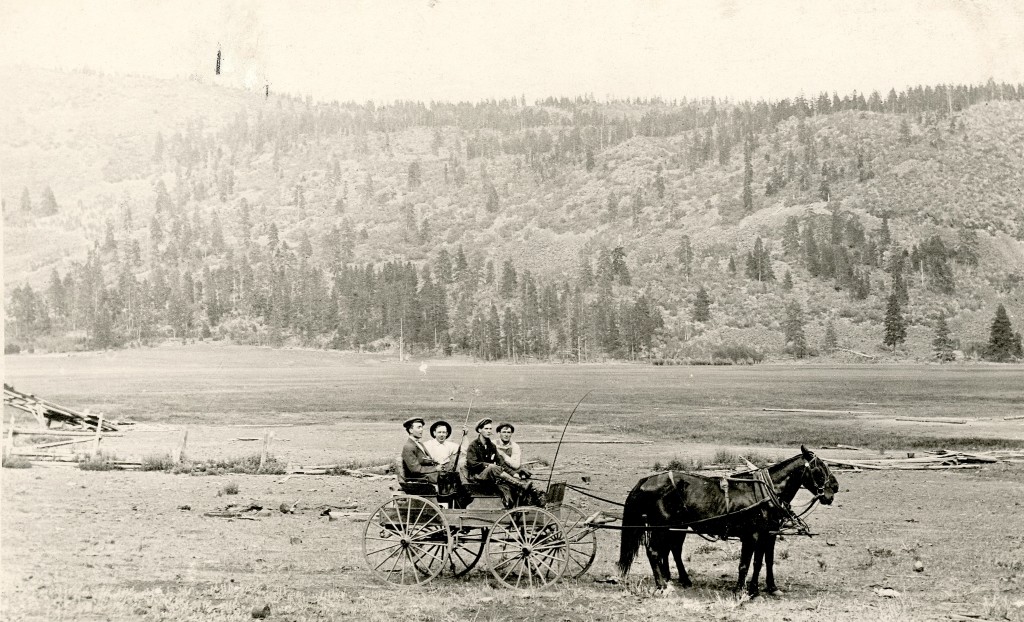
column 817, row 478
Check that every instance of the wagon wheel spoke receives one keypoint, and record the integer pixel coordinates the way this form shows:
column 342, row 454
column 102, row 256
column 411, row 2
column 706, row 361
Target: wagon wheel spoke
column 465, row 553
column 581, row 541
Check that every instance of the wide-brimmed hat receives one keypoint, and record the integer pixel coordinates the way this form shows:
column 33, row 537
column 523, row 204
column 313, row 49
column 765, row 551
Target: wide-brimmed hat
column 440, row 424
column 502, row 426
column 408, row 422
column 482, row 423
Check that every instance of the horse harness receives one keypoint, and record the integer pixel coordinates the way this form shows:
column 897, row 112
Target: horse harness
column 764, row 495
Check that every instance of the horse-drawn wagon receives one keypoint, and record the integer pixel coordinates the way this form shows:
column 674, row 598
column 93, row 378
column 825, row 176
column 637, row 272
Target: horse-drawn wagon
column 420, row 534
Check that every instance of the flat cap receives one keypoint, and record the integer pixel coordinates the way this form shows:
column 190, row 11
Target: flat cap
column 408, row 422
column 482, row 423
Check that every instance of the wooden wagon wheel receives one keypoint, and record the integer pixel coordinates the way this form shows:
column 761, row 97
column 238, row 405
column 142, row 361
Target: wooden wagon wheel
column 581, row 541
column 527, row 548
column 466, row 551
column 407, row 541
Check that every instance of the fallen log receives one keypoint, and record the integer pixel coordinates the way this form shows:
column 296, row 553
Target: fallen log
column 859, row 465
column 57, row 444
column 1014, row 418
column 867, row 356
column 919, row 420
column 554, row 442
column 819, row 411
column 45, row 432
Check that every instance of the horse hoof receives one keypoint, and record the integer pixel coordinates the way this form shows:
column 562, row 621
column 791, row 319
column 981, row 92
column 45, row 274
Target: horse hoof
column 775, row 592
column 665, row 591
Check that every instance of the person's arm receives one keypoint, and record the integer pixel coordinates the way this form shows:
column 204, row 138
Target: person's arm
column 416, row 462
column 475, row 458
column 516, row 460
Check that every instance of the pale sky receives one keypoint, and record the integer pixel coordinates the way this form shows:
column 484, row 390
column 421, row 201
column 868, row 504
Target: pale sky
column 472, row 49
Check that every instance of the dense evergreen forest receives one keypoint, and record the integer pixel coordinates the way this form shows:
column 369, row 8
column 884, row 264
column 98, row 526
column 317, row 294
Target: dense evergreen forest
column 564, row 229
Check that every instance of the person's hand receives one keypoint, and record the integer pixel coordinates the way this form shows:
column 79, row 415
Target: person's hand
column 524, row 474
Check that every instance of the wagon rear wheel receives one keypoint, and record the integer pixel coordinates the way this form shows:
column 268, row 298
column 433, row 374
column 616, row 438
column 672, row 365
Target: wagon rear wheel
column 527, row 548
column 407, row 541
column 581, row 541
column 467, row 549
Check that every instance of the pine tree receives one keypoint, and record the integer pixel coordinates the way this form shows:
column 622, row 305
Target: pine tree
column 26, row 201
column 613, row 205
column 415, row 174
column 702, row 306
column 1003, row 344
column 895, row 323
column 787, row 282
column 831, row 340
column 793, row 330
column 492, row 199
column 48, row 206
column 942, row 344
column 791, row 237
column 659, row 183
column 684, row 253
column 748, row 175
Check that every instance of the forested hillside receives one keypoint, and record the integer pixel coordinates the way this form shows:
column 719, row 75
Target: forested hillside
column 842, row 225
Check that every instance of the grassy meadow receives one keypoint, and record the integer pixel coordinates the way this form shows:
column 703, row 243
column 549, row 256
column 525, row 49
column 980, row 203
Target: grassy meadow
column 92, row 545
column 215, row 384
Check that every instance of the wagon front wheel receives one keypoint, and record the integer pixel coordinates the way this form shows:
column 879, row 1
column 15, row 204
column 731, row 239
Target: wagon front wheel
column 527, row 548
column 407, row 541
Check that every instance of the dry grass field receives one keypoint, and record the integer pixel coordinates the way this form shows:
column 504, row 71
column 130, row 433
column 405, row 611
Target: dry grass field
column 82, row 545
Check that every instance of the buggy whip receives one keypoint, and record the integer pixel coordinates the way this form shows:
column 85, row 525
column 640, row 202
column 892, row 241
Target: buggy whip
column 559, row 446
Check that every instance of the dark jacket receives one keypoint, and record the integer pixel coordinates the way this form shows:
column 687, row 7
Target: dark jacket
column 480, row 453
column 417, row 463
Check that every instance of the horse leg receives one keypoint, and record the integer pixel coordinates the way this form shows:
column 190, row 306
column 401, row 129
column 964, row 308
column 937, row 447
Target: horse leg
column 746, row 551
column 654, row 556
column 769, row 561
column 759, row 546
column 678, row 538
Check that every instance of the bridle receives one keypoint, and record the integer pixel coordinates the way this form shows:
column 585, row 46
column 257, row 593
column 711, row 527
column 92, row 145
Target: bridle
column 816, row 488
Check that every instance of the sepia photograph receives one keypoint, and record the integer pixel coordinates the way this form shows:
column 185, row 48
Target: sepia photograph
column 445, row 310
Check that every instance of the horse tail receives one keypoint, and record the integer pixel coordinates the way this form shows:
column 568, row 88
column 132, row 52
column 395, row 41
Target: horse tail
column 633, row 519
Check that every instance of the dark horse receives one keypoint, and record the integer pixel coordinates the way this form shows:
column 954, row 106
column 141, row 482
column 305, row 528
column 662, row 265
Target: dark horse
column 742, row 506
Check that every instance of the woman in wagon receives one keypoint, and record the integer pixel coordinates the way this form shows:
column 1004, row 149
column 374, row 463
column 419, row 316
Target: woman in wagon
column 416, row 462
column 440, row 446
column 485, row 463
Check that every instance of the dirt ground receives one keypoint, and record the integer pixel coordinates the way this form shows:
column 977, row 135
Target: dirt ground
column 80, row 545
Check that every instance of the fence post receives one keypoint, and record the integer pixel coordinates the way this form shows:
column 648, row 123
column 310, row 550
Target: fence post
column 268, row 437
column 179, row 451
column 96, row 444
column 10, row 436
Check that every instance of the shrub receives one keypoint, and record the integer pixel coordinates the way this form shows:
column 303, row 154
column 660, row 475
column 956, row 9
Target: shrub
column 157, row 463
column 16, row 462
column 231, row 488
column 246, row 464
column 100, row 462
column 737, row 354
column 12, row 348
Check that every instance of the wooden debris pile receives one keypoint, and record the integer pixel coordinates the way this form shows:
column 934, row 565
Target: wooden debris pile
column 938, row 460
column 47, row 412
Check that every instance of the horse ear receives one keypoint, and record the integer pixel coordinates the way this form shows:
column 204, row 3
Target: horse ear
column 806, row 452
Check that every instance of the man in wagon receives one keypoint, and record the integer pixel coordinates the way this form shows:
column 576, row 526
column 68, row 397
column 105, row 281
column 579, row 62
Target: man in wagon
column 509, row 449
column 416, row 461
column 484, row 463
column 440, row 446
